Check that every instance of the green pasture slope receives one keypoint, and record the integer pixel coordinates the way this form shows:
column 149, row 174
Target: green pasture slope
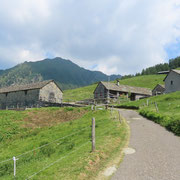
column 79, row 94
column 65, row 151
column 146, row 81
column 168, row 114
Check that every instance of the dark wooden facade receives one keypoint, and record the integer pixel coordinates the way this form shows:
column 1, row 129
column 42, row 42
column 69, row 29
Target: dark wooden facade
column 105, row 90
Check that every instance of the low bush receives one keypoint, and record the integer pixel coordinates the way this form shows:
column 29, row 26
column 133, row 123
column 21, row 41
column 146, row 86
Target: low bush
column 68, row 109
column 127, row 106
column 174, row 126
column 170, row 123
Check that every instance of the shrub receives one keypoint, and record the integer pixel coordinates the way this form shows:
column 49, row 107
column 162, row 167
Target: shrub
column 68, row 109
column 170, row 123
column 6, row 169
column 174, row 126
column 127, row 106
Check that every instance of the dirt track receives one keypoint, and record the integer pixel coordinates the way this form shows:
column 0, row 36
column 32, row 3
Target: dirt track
column 157, row 155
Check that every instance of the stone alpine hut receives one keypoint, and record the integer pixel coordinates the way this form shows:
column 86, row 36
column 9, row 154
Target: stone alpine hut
column 159, row 89
column 30, row 95
column 115, row 90
column 172, row 81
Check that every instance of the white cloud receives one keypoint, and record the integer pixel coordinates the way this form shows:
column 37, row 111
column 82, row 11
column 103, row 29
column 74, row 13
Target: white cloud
column 112, row 36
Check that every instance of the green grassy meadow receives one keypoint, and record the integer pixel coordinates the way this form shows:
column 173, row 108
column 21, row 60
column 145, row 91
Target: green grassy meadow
column 79, row 93
column 146, row 81
column 61, row 146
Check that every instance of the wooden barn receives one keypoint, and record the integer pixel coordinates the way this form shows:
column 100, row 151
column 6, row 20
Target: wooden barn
column 172, row 81
column 104, row 89
column 159, row 89
column 30, row 95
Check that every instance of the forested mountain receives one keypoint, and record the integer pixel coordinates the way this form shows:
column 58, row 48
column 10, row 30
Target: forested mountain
column 67, row 74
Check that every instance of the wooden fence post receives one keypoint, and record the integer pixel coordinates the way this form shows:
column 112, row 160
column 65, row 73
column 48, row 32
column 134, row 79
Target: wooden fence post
column 93, row 134
column 14, row 159
column 157, row 110
column 147, row 102
column 119, row 117
column 92, row 108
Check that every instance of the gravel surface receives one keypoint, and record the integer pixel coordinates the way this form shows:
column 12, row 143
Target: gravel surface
column 157, row 155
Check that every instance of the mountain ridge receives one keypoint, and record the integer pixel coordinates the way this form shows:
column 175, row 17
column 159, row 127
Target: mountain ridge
column 66, row 73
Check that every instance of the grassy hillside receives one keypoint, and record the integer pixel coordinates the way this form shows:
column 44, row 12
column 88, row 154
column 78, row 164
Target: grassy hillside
column 168, row 114
column 55, row 142
column 147, row 81
column 79, row 93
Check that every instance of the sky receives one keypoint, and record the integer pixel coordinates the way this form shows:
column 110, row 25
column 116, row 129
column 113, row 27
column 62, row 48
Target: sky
column 112, row 36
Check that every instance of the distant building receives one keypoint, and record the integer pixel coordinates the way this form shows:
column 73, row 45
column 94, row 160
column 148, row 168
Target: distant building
column 30, row 95
column 105, row 89
column 159, row 89
column 163, row 72
column 172, row 81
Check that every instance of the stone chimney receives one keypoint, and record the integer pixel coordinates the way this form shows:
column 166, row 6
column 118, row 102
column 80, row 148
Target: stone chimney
column 117, row 82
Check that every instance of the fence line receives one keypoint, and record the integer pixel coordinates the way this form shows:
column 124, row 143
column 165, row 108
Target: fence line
column 47, row 144
column 54, row 142
column 57, row 161
column 6, row 160
column 66, row 155
column 44, row 145
column 51, row 142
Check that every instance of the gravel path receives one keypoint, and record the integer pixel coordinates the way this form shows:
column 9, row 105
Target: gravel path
column 157, row 155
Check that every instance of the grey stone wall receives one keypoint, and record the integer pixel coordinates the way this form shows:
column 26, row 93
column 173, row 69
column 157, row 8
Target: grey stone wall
column 172, row 82
column 31, row 98
column 19, row 99
column 51, row 93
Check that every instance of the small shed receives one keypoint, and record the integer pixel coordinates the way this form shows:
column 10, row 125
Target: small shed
column 172, row 81
column 30, row 95
column 113, row 90
column 159, row 89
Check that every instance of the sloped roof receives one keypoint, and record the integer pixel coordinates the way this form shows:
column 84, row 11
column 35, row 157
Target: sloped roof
column 126, row 88
column 161, row 85
column 163, row 72
column 174, row 70
column 177, row 71
column 37, row 85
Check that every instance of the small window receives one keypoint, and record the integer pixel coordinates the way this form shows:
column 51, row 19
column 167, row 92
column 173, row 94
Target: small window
column 6, row 94
column 25, row 92
column 171, row 82
column 52, row 97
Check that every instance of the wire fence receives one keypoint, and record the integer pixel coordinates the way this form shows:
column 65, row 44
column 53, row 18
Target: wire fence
column 58, row 160
column 100, row 122
column 6, row 160
column 20, row 155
